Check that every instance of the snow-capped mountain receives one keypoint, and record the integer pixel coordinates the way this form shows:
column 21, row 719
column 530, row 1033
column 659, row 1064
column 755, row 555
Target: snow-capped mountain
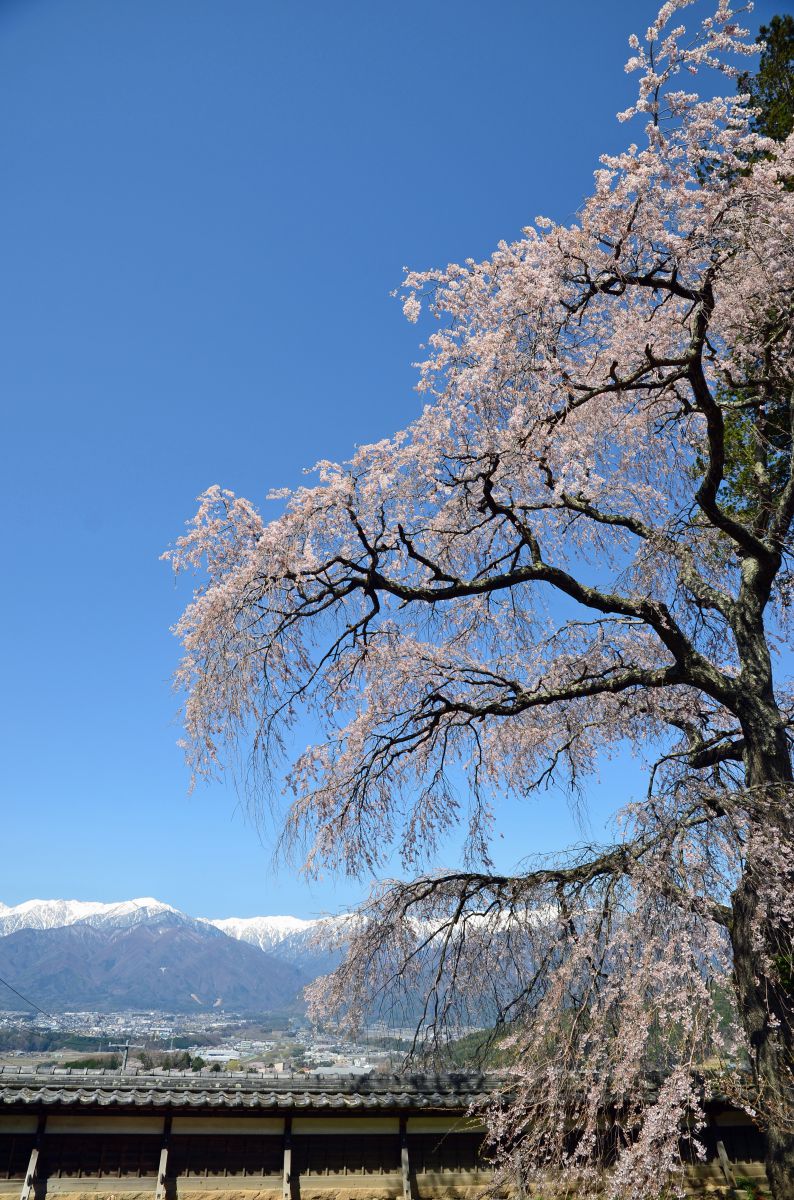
column 55, row 914
column 266, row 932
column 166, row 963
column 297, row 940
column 144, row 953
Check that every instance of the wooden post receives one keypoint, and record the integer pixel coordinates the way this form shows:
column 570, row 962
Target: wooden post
column 725, row 1163
column 286, row 1181
column 405, row 1164
column 30, row 1175
column 162, row 1169
column 33, row 1163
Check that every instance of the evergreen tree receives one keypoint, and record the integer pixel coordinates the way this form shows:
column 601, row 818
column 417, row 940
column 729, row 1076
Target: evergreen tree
column 772, row 88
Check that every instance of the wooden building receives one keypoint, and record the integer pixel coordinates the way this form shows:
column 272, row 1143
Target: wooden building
column 242, row 1137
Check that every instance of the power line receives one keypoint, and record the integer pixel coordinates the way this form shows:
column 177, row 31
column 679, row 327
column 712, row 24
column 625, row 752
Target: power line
column 24, row 997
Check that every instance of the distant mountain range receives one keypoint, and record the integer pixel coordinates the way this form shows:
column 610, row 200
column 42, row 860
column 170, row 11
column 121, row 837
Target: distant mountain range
column 144, row 954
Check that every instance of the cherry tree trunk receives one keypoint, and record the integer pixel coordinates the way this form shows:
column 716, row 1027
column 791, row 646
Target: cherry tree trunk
column 762, row 954
column 771, row 1044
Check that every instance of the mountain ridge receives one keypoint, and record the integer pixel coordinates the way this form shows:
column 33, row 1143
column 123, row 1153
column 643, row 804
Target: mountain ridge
column 162, row 964
column 146, row 953
column 54, row 914
column 262, row 930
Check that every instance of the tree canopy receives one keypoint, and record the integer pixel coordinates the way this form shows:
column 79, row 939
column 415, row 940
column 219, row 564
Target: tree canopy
column 583, row 541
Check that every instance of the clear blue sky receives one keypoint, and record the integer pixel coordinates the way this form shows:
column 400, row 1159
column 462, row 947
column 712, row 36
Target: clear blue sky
column 204, row 207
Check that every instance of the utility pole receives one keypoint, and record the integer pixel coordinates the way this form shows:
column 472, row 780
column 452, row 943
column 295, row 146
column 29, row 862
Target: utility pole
column 125, row 1048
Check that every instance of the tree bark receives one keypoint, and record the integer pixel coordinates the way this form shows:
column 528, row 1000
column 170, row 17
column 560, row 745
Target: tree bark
column 762, row 950
column 771, row 1050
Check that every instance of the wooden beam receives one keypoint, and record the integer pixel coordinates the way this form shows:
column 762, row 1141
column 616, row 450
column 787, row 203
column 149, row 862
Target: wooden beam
column 33, row 1163
column 405, row 1163
column 286, row 1181
column 162, row 1169
column 725, row 1163
column 30, row 1175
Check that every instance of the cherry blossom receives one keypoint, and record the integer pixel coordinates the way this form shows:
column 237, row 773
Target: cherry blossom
column 551, row 562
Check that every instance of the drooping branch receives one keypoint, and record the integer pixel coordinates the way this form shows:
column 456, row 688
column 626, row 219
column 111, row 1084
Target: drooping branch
column 489, row 949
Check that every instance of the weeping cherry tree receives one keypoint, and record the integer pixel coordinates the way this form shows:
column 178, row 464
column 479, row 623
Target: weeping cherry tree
column 582, row 543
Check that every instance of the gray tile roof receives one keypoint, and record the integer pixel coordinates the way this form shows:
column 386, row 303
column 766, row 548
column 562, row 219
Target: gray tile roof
column 108, row 1089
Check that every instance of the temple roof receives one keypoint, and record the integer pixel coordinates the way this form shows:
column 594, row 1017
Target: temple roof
column 72, row 1089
